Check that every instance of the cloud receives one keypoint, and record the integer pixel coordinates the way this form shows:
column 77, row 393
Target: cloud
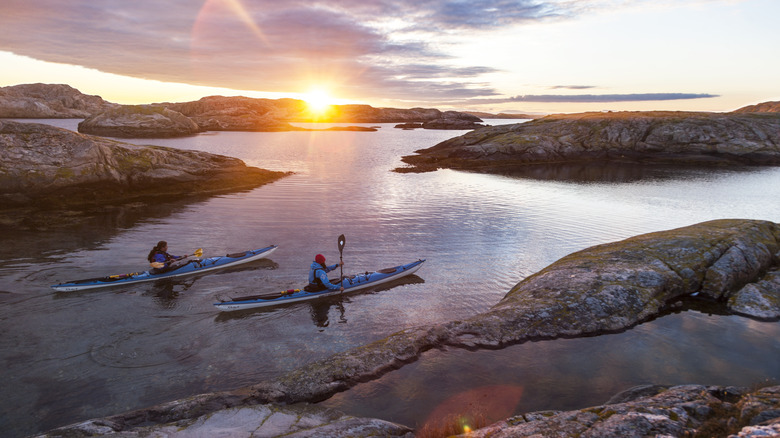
column 582, row 98
column 590, row 98
column 360, row 48
column 571, row 87
column 263, row 45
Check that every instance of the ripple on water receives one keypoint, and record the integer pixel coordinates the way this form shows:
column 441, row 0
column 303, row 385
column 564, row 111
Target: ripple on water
column 138, row 351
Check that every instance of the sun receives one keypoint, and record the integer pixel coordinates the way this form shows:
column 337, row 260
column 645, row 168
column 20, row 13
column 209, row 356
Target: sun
column 318, row 101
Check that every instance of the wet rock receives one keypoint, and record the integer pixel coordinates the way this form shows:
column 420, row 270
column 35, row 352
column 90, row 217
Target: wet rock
column 679, row 411
column 627, row 137
column 139, row 121
column 52, row 167
column 53, row 101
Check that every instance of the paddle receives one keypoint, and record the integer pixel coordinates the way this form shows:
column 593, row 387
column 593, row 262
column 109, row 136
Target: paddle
column 342, row 241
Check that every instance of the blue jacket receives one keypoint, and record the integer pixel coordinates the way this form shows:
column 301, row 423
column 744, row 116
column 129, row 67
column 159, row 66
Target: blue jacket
column 164, row 257
column 318, row 272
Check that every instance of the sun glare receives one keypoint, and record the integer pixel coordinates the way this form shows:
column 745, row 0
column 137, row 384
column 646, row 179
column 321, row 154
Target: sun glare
column 318, row 101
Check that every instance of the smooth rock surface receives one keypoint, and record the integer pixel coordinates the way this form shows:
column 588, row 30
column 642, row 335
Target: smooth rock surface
column 679, row 411
column 48, row 101
column 625, row 137
column 249, row 421
column 139, row 121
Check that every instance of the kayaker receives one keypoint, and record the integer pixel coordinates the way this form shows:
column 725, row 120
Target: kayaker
column 161, row 261
column 318, row 277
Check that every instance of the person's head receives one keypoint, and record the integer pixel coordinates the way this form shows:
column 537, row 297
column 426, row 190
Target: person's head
column 319, row 258
column 161, row 246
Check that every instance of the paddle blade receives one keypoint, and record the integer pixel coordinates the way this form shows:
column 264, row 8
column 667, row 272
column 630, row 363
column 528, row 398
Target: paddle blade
column 342, row 241
column 198, row 252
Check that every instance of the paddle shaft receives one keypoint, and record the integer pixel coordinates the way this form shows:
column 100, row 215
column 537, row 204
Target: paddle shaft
column 342, row 242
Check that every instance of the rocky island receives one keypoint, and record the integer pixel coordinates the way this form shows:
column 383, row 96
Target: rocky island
column 212, row 113
column 50, row 168
column 681, row 138
column 601, row 289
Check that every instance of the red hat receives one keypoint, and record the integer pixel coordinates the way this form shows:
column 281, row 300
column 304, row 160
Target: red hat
column 319, row 258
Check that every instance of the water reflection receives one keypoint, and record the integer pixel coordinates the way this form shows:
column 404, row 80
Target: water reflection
column 606, row 172
column 320, row 311
column 165, row 292
column 60, row 232
column 682, row 347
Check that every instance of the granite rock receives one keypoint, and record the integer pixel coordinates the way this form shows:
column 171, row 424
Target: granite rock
column 139, row 121
column 52, row 101
column 52, row 167
column 626, row 137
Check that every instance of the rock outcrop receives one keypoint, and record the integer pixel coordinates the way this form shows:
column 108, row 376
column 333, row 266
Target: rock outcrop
column 51, row 101
column 630, row 137
column 679, row 411
column 602, row 289
column 764, row 107
column 369, row 114
column 615, row 286
column 446, row 120
column 453, row 120
column 139, row 121
column 51, row 167
column 266, row 420
column 219, row 113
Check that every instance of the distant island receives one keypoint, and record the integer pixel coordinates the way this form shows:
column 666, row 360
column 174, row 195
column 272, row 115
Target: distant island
column 213, row 113
column 483, row 115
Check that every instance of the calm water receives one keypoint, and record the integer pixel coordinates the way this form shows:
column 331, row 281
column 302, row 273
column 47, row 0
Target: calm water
column 79, row 355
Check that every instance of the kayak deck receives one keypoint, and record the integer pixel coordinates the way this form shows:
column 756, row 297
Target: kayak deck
column 195, row 266
column 351, row 284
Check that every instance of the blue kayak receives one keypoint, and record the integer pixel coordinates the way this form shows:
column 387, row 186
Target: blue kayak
column 195, row 266
column 351, row 283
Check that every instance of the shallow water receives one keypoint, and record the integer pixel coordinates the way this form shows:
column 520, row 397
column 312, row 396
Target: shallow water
column 78, row 355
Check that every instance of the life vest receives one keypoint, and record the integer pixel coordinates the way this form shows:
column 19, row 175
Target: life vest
column 316, row 284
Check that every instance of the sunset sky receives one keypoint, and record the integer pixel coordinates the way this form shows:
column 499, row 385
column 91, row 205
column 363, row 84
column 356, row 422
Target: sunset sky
column 536, row 56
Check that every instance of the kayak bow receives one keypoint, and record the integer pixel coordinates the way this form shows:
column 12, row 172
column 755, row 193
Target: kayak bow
column 195, row 266
column 351, row 283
